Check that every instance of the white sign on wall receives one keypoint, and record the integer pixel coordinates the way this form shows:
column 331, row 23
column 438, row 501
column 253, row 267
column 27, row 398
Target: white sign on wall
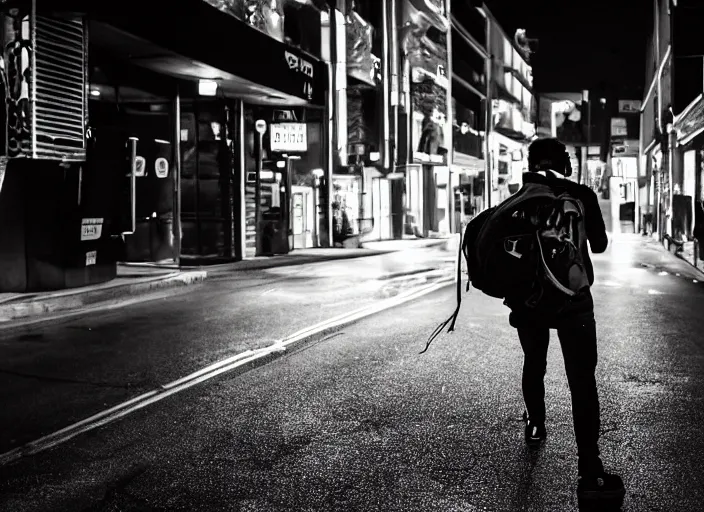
column 91, row 257
column 161, row 167
column 140, row 166
column 288, row 137
column 619, row 128
column 91, row 229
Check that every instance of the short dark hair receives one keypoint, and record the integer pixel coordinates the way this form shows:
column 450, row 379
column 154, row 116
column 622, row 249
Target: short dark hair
column 548, row 154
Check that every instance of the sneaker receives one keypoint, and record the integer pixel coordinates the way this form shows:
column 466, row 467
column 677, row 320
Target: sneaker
column 535, row 432
column 603, row 486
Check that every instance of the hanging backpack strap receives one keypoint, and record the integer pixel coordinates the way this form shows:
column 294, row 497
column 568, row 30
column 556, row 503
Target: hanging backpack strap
column 463, row 250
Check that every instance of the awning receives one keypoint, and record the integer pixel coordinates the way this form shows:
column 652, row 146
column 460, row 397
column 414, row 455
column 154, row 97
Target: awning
column 690, row 122
column 198, row 31
column 467, row 164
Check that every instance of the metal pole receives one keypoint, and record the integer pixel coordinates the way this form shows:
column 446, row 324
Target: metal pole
column 671, row 141
column 240, row 179
column 334, row 107
column 488, row 118
column 386, row 147
column 258, row 194
column 176, row 175
column 393, row 60
column 331, row 128
column 589, row 137
column 449, row 145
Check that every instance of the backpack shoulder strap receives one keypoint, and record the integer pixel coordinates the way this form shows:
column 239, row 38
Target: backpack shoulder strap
column 458, row 288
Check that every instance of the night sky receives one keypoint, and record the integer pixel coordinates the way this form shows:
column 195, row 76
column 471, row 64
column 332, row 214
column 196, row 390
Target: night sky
column 584, row 44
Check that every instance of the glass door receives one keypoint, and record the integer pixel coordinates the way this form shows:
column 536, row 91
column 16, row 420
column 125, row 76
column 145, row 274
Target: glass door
column 141, row 122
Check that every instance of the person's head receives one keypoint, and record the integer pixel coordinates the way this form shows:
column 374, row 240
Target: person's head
column 549, row 154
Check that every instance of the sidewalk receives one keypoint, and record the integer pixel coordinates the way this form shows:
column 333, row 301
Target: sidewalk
column 688, row 255
column 655, row 255
column 137, row 281
column 411, row 243
column 129, row 283
column 297, row 257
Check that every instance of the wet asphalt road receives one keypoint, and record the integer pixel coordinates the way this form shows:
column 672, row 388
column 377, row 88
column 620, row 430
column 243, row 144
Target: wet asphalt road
column 359, row 421
column 55, row 374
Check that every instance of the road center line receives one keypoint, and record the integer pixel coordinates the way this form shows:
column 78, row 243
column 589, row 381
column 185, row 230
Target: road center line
column 121, row 410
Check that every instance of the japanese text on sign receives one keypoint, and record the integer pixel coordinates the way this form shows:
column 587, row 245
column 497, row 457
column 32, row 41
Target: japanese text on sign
column 288, row 137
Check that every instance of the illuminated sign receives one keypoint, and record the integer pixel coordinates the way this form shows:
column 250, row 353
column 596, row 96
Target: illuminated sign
column 288, row 137
column 161, row 167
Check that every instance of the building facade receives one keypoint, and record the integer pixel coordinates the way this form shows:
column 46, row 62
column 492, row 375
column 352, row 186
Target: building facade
column 127, row 139
column 672, row 120
column 130, row 139
column 512, row 114
column 470, row 90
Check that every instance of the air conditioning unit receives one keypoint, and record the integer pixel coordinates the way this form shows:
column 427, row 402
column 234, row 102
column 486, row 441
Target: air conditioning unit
column 44, row 74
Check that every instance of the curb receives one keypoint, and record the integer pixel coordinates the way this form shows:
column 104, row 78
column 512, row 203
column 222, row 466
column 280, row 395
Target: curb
column 421, row 243
column 23, row 307
column 697, row 271
column 656, row 245
column 240, row 266
column 418, row 272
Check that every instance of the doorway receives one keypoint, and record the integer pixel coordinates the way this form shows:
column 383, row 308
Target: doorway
column 302, row 217
column 131, row 117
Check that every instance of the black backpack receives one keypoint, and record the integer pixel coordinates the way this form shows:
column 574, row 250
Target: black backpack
column 527, row 249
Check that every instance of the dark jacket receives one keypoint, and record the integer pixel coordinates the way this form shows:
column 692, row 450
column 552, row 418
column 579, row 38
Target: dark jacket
column 581, row 306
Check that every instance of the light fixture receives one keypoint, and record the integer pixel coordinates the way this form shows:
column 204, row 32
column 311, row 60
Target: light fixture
column 207, row 87
column 94, row 92
column 318, row 173
column 374, row 156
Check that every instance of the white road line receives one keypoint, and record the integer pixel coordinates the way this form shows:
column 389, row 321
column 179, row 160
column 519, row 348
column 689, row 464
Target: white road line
column 207, row 373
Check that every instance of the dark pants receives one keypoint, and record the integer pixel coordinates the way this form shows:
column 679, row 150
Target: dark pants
column 578, row 341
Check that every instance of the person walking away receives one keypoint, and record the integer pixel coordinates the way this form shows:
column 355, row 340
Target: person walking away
column 548, row 164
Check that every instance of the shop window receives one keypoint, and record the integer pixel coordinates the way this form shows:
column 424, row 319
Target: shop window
column 466, row 138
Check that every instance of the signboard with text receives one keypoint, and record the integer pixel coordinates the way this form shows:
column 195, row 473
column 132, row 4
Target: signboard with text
column 285, row 137
column 619, row 127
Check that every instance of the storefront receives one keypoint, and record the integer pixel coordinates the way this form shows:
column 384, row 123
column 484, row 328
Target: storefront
column 361, row 192
column 428, row 204
column 509, row 160
column 228, row 206
column 160, row 142
column 688, row 171
column 468, row 164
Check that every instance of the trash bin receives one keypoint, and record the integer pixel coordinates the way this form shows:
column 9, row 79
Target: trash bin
column 272, row 231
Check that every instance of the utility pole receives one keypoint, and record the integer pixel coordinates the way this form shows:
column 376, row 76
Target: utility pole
column 581, row 175
column 488, row 122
